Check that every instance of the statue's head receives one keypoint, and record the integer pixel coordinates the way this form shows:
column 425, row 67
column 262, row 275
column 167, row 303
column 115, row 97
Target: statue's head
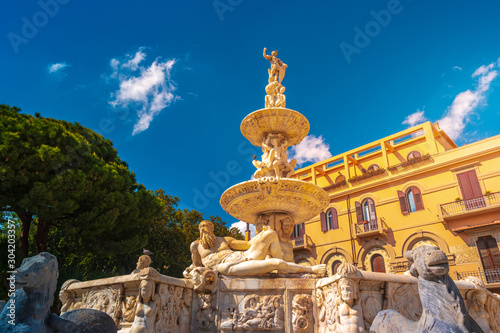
column 287, row 224
column 347, row 290
column 276, row 139
column 143, row 262
column 261, row 222
column 207, row 236
column 130, row 302
column 274, row 53
column 64, row 293
column 38, row 271
column 428, row 262
column 146, row 291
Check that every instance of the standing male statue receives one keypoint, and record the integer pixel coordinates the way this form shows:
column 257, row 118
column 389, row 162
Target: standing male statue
column 230, row 256
column 277, row 71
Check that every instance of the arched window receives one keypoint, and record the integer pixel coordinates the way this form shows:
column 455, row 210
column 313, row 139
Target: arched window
column 329, row 220
column 365, row 211
column 339, row 179
column 335, row 266
column 368, row 210
column 411, row 201
column 413, row 155
column 378, row 263
column 373, row 167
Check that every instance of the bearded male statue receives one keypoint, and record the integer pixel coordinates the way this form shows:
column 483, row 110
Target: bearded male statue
column 230, row 256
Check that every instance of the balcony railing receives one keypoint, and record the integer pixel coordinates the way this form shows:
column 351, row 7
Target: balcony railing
column 303, row 241
column 371, row 227
column 463, row 206
column 488, row 275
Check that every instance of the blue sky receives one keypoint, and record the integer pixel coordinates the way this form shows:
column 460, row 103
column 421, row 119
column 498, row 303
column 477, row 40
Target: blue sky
column 169, row 82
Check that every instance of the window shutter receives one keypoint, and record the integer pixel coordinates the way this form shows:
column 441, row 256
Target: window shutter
column 371, row 207
column 474, row 184
column 335, row 219
column 417, row 196
column 402, row 202
column 359, row 212
column 323, row 222
column 302, row 229
column 489, row 253
column 463, row 182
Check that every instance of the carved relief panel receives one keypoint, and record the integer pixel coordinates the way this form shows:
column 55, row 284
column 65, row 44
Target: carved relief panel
column 256, row 312
column 404, row 298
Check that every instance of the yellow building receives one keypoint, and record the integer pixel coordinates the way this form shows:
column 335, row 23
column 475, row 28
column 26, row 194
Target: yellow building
column 411, row 188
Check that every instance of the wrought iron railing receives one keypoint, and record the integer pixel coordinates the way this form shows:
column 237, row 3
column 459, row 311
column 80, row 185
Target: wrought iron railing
column 368, row 226
column 299, row 240
column 462, row 206
column 302, row 241
column 488, row 275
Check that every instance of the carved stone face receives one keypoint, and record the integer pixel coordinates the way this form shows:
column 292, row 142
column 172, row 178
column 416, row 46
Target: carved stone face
column 143, row 262
column 63, row 296
column 130, row 302
column 146, row 290
column 287, row 225
column 346, row 287
column 480, row 297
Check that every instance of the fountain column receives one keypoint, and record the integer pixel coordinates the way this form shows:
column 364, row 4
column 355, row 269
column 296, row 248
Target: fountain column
column 272, row 199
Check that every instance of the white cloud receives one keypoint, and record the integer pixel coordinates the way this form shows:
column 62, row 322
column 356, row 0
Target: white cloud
column 466, row 102
column 483, row 69
column 415, row 118
column 242, row 226
column 150, row 89
column 57, row 67
column 311, row 149
column 457, row 115
column 134, row 62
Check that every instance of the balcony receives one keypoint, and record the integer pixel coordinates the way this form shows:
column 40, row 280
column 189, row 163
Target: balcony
column 302, row 242
column 370, row 228
column 474, row 205
column 488, row 276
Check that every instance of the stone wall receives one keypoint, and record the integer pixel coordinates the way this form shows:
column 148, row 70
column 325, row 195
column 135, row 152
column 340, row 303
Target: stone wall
column 272, row 303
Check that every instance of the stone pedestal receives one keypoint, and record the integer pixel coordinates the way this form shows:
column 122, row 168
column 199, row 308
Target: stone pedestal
column 272, row 303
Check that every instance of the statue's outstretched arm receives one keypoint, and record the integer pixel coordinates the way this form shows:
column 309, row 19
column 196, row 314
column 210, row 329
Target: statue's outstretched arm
column 268, row 57
column 239, row 245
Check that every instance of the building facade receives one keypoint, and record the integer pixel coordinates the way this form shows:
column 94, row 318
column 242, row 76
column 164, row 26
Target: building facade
column 411, row 188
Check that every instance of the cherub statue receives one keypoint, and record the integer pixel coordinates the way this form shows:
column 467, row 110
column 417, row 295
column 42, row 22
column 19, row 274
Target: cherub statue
column 274, row 157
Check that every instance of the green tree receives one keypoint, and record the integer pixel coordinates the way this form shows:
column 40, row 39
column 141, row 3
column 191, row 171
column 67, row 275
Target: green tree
column 171, row 234
column 62, row 177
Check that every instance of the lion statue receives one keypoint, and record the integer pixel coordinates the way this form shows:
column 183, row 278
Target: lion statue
column 443, row 308
column 28, row 309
